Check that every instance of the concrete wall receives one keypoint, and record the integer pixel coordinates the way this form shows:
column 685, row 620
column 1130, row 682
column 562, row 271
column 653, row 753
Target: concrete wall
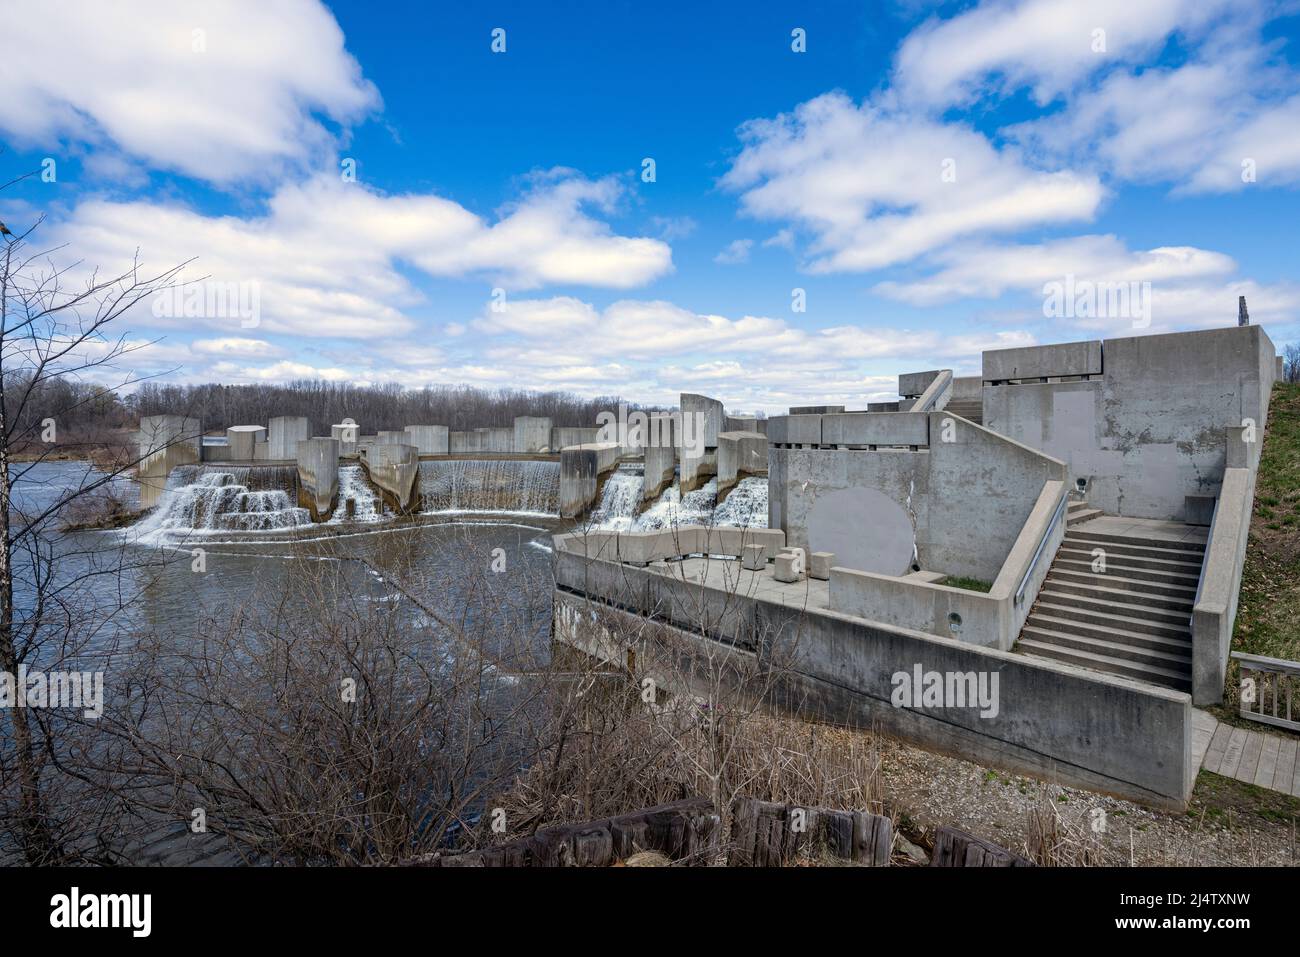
column 1041, row 362
column 740, row 454
column 815, row 409
column 955, row 507
column 580, row 469
column 706, row 417
column 348, row 435
column 499, row 440
column 864, row 430
column 395, row 469
column 564, row 436
column 913, row 384
column 1151, row 431
column 164, row 442
column 283, row 434
column 532, row 434
column 318, row 477
column 1055, row 721
column 429, row 439
column 967, row 387
column 242, row 441
column 393, row 437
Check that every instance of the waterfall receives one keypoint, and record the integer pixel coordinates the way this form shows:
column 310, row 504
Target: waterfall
column 354, row 486
column 253, row 499
column 497, row 485
column 744, row 507
column 619, row 499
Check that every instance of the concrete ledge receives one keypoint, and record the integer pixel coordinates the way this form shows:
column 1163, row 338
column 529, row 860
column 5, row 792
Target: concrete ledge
column 642, row 548
column 1042, row 362
column 795, row 430
column 876, row 428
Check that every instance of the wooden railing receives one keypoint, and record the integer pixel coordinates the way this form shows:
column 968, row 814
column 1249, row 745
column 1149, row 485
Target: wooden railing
column 1270, row 690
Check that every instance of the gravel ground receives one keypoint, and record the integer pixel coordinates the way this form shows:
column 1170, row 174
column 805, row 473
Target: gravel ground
column 1228, row 823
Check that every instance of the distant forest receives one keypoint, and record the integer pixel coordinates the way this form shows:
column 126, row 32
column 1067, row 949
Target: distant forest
column 371, row 407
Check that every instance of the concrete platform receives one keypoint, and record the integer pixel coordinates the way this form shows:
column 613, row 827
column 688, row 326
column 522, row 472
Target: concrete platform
column 1144, row 528
column 727, row 575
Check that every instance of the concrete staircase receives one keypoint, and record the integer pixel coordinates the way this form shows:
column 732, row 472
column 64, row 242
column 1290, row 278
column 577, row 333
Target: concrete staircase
column 1133, row 619
column 972, row 410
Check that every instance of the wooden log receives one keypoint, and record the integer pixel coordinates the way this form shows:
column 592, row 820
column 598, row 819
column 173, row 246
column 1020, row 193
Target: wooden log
column 873, row 839
column 744, row 831
column 593, row 847
column 835, row 833
column 954, row 848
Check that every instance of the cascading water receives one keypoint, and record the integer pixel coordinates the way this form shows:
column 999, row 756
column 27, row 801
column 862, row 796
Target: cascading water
column 355, row 487
column 619, row 499
column 745, row 506
column 498, row 485
column 199, row 500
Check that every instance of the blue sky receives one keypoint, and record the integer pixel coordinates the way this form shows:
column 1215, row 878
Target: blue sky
column 921, row 173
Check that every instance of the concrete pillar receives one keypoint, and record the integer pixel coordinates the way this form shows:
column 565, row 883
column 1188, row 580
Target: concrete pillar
column 242, row 441
column 395, row 470
column 318, row 477
column 740, row 454
column 165, row 441
column 283, row 434
column 660, row 455
column 429, row 439
column 532, row 434
column 580, row 469
column 348, row 434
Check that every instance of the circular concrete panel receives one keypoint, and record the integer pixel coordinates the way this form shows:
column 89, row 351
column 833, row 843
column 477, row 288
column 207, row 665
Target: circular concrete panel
column 865, row 529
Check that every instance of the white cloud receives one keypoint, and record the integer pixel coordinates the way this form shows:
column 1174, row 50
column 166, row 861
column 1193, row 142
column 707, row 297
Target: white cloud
column 1048, row 46
column 876, row 187
column 131, row 78
column 235, row 347
column 325, row 258
column 735, row 252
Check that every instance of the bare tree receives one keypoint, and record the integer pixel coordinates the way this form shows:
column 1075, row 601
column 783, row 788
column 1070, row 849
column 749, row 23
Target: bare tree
column 55, row 325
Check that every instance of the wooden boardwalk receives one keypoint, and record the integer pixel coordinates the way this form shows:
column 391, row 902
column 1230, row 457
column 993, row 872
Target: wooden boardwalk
column 1256, row 757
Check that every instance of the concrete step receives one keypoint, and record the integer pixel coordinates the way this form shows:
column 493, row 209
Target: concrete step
column 1077, row 538
column 1112, row 590
column 1111, row 618
column 1122, row 583
column 1137, row 541
column 1060, row 620
column 1166, row 677
column 1075, row 553
column 1112, row 607
column 1119, row 569
column 1076, row 516
column 1119, row 650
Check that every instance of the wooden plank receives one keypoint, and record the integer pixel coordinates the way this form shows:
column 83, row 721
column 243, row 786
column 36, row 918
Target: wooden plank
column 1267, row 761
column 1232, row 754
column 1285, row 765
column 873, row 839
column 955, row 848
column 1250, row 757
column 1218, row 744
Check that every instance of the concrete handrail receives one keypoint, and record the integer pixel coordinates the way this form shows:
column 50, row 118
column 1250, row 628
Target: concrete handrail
column 936, row 395
column 1038, row 552
column 1215, row 609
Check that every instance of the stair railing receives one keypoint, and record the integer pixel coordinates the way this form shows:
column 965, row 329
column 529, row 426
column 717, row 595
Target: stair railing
column 1038, row 552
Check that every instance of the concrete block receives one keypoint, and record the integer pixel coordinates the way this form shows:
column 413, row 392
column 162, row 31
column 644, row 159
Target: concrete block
column 1041, row 362
column 701, row 416
column 241, row 441
column 819, row 565
column 394, row 437
column 815, row 409
column 318, row 476
column 348, row 435
column 789, row 566
column 165, row 442
column 261, row 451
column 883, row 406
column 740, row 454
column 912, row 384
column 752, row 558
column 283, row 434
column 795, row 430
column 532, row 434
column 876, row 428
column 1199, row 509
column 429, row 439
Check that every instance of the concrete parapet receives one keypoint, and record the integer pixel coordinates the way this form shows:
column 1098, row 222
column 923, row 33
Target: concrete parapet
column 884, row 406
column 679, row 541
column 532, row 434
column 562, row 437
column 498, row 440
column 936, row 394
column 795, row 430
column 429, row 439
column 968, row 388
column 815, row 409
column 580, row 469
column 318, row 476
column 740, row 454
column 913, row 384
column 865, row 429
column 395, row 469
column 165, row 442
column 393, row 437
column 1215, row 610
column 283, row 434
column 242, row 441
column 1043, row 362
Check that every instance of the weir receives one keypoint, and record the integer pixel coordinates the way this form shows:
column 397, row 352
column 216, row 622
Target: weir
column 200, row 499
column 494, row 485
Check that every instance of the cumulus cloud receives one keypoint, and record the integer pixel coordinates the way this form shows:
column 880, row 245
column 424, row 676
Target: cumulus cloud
column 735, row 252
column 326, row 257
column 877, row 187
column 221, row 91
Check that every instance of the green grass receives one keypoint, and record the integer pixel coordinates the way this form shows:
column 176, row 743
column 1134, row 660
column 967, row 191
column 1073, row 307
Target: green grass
column 970, row 584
